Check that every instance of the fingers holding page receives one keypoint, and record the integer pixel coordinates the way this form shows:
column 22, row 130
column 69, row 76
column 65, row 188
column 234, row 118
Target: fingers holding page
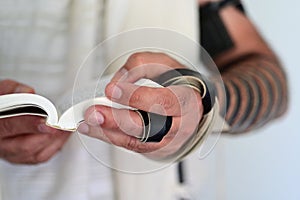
column 119, row 127
column 124, row 127
column 170, row 101
column 112, row 119
column 27, row 140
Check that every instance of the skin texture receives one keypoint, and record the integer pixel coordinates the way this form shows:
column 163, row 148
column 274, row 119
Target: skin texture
column 114, row 126
column 250, row 66
column 246, row 38
column 26, row 139
column 247, row 42
column 23, row 139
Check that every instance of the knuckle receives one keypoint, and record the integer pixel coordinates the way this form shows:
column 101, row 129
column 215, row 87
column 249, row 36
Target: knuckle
column 135, row 98
column 166, row 101
column 183, row 100
column 131, row 144
column 137, row 58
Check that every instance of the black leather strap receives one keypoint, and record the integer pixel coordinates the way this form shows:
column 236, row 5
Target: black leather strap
column 214, row 35
column 207, row 91
column 155, row 126
column 160, row 126
column 235, row 3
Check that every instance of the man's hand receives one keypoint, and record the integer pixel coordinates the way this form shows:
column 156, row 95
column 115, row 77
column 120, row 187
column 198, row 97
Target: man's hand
column 121, row 127
column 26, row 139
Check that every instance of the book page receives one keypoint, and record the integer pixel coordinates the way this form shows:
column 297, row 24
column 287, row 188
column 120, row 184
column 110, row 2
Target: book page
column 18, row 104
column 74, row 104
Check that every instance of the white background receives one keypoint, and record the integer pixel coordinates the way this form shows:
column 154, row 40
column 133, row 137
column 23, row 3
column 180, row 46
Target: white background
column 265, row 164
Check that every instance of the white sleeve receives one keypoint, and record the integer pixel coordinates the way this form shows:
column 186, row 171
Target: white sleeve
column 179, row 17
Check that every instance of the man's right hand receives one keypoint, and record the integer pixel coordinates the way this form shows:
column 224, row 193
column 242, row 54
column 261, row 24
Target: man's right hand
column 26, row 139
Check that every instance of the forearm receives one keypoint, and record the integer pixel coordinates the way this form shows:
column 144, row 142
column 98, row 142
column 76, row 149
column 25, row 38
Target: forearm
column 255, row 92
column 245, row 37
column 255, row 83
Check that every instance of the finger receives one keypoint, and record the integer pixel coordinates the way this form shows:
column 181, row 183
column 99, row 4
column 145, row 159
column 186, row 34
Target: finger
column 181, row 131
column 172, row 101
column 118, row 138
column 127, row 121
column 145, row 65
column 108, row 136
column 23, row 124
column 160, row 149
column 25, row 149
column 51, row 149
column 93, row 131
column 173, row 141
column 24, row 145
column 10, row 86
column 132, row 75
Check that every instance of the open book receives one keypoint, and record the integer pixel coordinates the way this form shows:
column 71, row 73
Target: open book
column 33, row 104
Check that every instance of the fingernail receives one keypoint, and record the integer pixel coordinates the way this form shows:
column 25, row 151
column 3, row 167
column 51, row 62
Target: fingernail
column 83, row 128
column 116, row 92
column 95, row 119
column 43, row 128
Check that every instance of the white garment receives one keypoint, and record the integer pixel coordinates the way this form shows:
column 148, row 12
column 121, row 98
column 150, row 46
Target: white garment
column 35, row 43
column 42, row 43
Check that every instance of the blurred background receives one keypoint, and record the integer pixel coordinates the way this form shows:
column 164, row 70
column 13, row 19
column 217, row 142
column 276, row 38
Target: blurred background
column 264, row 164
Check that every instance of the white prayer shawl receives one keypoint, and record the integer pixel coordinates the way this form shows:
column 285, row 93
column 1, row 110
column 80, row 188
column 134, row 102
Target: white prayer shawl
column 176, row 15
column 56, row 38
